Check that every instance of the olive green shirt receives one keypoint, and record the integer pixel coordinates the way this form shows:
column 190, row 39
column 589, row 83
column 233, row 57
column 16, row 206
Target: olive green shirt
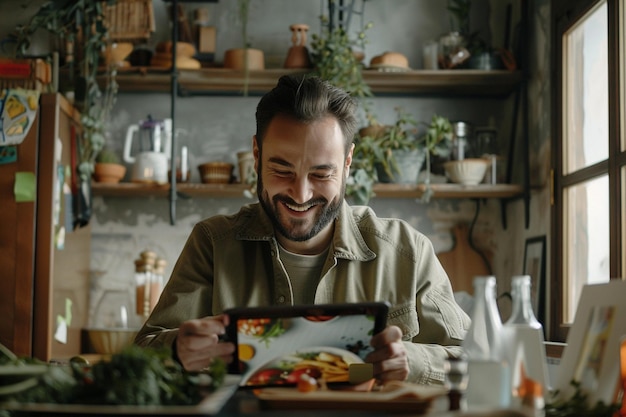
column 233, row 261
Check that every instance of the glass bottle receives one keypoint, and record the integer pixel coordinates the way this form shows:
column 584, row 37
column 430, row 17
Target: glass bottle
column 523, row 342
column 488, row 373
column 482, row 340
column 522, row 313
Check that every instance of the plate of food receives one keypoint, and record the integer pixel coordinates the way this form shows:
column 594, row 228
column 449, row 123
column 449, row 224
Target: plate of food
column 272, row 342
column 328, row 363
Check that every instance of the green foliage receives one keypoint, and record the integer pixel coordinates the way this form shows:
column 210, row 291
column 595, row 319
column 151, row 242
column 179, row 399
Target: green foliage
column 460, row 10
column 135, row 376
column 107, row 156
column 333, row 57
column 437, row 141
column 578, row 406
column 379, row 149
column 80, row 23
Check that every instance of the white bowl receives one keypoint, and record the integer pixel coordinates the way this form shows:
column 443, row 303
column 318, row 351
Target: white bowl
column 469, row 171
column 109, row 341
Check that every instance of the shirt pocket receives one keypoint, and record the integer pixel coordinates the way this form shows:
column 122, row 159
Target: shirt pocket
column 452, row 317
column 405, row 317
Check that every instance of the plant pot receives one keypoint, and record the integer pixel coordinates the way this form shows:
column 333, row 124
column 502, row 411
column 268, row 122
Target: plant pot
column 235, row 59
column 409, row 164
column 109, row 172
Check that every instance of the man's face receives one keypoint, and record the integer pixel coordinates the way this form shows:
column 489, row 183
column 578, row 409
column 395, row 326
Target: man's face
column 302, row 172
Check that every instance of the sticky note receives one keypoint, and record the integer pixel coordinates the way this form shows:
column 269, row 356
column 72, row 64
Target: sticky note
column 25, row 187
column 60, row 334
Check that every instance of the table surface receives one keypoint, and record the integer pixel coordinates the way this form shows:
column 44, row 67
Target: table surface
column 245, row 404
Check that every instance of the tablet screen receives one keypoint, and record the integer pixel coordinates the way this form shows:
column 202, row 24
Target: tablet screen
column 276, row 345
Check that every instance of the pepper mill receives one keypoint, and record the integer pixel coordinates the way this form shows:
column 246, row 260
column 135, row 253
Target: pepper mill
column 298, row 54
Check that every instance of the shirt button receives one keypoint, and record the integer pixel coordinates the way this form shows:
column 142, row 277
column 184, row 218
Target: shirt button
column 281, row 299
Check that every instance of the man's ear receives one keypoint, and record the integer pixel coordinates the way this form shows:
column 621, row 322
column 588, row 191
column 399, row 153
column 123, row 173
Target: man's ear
column 348, row 162
column 255, row 152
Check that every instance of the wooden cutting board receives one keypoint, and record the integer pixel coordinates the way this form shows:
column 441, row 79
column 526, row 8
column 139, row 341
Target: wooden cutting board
column 463, row 262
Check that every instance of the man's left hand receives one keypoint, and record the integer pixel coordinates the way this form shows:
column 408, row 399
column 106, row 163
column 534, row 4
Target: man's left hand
column 389, row 356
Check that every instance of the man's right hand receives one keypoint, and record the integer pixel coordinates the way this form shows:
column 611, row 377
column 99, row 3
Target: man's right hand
column 197, row 343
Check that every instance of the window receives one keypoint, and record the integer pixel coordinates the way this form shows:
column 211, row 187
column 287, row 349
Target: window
column 589, row 158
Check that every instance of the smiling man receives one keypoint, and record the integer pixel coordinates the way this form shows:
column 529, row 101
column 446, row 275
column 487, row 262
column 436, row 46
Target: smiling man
column 304, row 244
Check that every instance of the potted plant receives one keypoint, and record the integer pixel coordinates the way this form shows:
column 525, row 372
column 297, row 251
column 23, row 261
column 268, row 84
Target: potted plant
column 402, row 152
column 385, row 153
column 108, row 167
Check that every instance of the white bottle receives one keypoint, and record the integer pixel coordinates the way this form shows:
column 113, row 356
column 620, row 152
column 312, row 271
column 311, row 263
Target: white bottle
column 489, row 376
column 523, row 343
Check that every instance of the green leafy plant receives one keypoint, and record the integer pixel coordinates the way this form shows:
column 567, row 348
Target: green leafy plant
column 333, row 57
column 578, row 406
column 80, row 26
column 437, row 141
column 107, row 156
column 380, row 147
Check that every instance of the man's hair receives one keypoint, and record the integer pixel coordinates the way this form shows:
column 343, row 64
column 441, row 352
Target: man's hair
column 307, row 99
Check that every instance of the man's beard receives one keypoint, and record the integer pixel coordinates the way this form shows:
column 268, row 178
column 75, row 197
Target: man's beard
column 329, row 212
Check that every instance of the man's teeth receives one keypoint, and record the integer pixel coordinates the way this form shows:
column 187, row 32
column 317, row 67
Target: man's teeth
column 299, row 207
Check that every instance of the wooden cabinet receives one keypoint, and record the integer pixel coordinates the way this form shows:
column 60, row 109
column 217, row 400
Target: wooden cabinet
column 44, row 262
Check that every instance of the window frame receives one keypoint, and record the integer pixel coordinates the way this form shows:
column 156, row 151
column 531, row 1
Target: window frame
column 565, row 13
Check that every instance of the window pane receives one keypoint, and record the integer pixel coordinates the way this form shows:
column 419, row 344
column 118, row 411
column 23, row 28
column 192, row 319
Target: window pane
column 586, row 122
column 586, row 239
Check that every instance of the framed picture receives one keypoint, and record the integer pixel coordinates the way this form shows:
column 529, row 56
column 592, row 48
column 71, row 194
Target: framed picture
column 535, row 266
column 591, row 356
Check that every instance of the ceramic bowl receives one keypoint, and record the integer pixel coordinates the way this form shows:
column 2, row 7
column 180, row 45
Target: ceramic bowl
column 469, row 171
column 109, row 341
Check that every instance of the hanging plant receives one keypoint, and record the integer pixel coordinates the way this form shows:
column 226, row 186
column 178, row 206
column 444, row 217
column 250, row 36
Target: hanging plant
column 79, row 26
column 437, row 141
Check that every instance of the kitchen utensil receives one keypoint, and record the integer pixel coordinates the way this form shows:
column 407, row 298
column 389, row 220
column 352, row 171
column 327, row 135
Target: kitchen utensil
column 151, row 150
column 463, row 262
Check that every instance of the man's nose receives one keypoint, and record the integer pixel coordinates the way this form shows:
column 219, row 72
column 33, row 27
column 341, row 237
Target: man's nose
column 301, row 190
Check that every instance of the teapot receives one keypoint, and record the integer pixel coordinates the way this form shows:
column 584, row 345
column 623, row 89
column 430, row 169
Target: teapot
column 151, row 151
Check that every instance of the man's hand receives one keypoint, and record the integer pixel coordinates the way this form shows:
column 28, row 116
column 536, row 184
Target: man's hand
column 198, row 342
column 389, row 356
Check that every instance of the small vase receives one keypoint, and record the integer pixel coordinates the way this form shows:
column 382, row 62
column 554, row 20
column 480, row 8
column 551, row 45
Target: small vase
column 236, row 59
column 298, row 54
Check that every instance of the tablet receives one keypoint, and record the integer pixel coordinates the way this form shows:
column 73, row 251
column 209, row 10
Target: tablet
column 276, row 345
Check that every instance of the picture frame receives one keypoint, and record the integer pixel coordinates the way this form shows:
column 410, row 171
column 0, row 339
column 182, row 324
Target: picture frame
column 535, row 267
column 591, row 355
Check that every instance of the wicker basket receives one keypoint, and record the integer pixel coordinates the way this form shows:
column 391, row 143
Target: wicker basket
column 129, row 20
column 216, row 172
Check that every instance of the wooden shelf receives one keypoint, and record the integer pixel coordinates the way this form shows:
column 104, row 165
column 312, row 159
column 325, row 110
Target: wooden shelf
column 220, row 81
column 237, row 190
